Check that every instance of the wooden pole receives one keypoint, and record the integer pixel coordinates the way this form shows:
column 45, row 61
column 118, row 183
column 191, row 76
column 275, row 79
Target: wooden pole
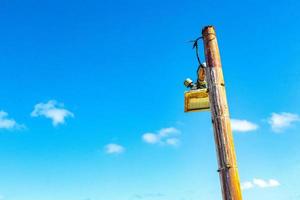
column 228, row 171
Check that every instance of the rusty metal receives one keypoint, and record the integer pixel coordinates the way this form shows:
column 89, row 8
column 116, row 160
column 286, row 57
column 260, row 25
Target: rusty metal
column 228, row 171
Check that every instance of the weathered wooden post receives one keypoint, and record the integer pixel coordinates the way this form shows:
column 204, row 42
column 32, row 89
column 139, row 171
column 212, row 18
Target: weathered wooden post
column 220, row 118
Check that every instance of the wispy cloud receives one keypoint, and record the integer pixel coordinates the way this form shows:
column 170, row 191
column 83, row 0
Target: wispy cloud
column 239, row 125
column 261, row 183
column 52, row 110
column 166, row 132
column 113, row 148
column 247, row 185
column 165, row 136
column 8, row 123
column 151, row 138
column 281, row 121
column 172, row 141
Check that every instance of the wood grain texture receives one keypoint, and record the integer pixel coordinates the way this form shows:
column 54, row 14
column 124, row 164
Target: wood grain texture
column 228, row 171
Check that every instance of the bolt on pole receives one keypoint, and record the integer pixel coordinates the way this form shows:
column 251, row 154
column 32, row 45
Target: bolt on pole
column 228, row 170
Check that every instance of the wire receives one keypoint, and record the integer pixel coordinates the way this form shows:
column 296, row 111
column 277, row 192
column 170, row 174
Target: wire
column 195, row 46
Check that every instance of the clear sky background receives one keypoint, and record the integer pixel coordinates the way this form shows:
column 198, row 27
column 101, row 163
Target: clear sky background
column 91, row 99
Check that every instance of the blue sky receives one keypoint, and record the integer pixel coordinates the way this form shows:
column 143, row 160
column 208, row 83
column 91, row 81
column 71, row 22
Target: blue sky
column 91, row 101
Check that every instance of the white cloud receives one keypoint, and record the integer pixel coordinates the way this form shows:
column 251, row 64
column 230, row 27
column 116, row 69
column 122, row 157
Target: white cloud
column 247, row 185
column 273, row 183
column 165, row 132
column 52, row 110
column 114, row 148
column 172, row 141
column 151, row 138
column 261, row 183
column 7, row 123
column 165, row 136
column 242, row 125
column 280, row 121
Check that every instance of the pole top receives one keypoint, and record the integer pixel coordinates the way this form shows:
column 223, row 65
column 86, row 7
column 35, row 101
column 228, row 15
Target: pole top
column 208, row 30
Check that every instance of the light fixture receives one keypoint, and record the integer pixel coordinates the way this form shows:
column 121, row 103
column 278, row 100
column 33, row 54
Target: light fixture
column 189, row 83
column 196, row 100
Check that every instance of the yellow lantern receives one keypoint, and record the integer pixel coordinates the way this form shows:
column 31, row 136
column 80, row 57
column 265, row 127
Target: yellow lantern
column 196, row 100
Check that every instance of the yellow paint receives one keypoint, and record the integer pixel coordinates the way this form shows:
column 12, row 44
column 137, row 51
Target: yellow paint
column 196, row 101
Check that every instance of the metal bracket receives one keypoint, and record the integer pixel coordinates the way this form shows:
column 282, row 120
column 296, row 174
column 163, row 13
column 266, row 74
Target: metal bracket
column 227, row 166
